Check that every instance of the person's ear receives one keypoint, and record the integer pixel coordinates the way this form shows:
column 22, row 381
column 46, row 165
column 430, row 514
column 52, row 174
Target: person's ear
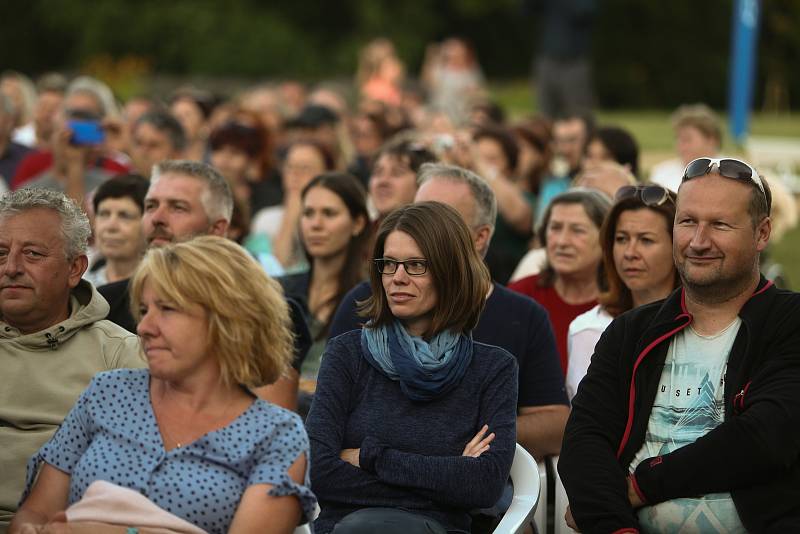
column 482, row 236
column 360, row 224
column 219, row 228
column 763, row 232
column 77, row 267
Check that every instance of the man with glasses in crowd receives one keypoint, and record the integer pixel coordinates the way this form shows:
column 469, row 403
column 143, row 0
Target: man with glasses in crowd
column 689, row 418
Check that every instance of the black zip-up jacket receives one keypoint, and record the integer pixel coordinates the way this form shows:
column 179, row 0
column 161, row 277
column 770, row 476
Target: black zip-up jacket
column 753, row 453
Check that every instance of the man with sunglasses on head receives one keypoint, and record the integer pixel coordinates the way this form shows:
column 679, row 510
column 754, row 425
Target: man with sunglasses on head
column 689, row 417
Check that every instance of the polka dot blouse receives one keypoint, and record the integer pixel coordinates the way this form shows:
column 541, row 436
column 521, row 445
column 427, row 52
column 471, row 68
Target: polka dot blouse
column 111, row 434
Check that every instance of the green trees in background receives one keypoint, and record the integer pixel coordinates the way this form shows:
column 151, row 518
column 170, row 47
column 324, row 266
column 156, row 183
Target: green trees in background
column 647, row 54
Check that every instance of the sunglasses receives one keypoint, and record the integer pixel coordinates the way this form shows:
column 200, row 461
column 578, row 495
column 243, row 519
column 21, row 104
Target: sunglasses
column 727, row 167
column 650, row 195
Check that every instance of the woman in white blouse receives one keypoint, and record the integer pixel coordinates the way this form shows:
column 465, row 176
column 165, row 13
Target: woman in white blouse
column 637, row 252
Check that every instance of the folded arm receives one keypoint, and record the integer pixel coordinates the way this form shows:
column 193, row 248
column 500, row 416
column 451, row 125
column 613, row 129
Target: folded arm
column 332, row 478
column 461, row 481
column 746, row 449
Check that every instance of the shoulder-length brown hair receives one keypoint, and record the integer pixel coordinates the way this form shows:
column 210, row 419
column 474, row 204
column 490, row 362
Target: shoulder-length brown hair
column 459, row 275
column 617, row 298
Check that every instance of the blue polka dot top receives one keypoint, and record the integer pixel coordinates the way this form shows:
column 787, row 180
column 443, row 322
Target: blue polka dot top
column 111, row 434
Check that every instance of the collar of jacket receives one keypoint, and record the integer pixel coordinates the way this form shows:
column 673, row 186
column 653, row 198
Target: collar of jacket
column 671, row 318
column 87, row 306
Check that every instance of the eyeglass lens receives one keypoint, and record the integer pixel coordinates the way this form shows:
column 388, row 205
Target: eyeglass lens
column 412, row 267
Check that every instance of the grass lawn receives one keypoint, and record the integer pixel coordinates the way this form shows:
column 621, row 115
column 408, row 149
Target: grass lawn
column 654, row 134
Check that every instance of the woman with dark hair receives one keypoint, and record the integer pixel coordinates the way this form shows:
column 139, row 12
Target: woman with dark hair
column 118, row 207
column 572, row 278
column 534, row 139
column 235, row 149
column 612, row 143
column 406, row 408
column 304, row 160
column 496, row 157
column 242, row 149
column 192, row 107
column 637, row 255
column 368, row 131
column 334, row 234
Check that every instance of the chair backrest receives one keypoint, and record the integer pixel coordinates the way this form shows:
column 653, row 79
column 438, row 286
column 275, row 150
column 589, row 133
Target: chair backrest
column 541, row 516
column 527, row 487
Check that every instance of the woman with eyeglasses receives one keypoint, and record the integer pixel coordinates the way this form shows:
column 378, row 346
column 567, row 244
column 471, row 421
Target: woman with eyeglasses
column 572, row 277
column 413, row 423
column 637, row 254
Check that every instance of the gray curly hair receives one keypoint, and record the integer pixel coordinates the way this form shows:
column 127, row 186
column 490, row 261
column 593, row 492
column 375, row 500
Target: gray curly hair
column 74, row 223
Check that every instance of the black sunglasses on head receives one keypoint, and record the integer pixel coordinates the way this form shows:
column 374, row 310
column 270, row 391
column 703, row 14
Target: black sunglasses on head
column 727, row 167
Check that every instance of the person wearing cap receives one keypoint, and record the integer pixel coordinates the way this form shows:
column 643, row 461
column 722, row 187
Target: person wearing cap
column 688, row 419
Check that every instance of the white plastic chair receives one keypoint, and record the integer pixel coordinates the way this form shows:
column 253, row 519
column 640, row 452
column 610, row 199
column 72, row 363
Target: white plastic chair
column 527, row 488
column 561, row 503
column 542, row 509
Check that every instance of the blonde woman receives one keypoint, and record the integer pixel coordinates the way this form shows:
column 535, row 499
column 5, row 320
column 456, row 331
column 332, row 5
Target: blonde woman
column 187, row 433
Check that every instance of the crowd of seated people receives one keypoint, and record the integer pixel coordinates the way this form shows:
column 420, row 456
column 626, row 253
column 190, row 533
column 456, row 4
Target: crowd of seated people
column 422, row 280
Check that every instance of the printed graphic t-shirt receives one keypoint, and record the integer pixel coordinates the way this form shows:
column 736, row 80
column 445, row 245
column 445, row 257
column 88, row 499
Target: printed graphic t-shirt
column 689, row 404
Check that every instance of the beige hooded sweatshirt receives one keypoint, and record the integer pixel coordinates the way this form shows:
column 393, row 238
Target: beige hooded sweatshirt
column 43, row 374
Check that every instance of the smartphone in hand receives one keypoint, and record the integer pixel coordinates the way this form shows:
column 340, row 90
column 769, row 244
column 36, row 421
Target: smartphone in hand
column 86, row 132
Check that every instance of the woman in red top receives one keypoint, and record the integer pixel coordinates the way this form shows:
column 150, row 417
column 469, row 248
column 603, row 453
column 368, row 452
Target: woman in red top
column 570, row 281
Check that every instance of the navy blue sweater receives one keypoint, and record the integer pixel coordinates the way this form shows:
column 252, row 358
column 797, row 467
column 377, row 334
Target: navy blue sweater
column 410, row 451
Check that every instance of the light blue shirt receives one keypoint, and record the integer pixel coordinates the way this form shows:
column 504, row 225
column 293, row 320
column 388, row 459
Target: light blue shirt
column 111, row 434
column 551, row 187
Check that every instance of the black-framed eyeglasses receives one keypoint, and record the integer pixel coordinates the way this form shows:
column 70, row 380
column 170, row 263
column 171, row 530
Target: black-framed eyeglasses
column 650, row 195
column 728, row 167
column 413, row 266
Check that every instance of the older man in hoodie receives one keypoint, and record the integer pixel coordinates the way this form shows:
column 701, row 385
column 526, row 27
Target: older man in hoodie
column 53, row 334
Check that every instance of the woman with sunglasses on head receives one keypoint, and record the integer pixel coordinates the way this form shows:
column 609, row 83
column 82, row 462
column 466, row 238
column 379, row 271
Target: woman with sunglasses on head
column 637, row 255
column 571, row 279
column 413, row 423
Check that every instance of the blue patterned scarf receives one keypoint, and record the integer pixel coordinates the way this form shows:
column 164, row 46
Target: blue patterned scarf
column 426, row 370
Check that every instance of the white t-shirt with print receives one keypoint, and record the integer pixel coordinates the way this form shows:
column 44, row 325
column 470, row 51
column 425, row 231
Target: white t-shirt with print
column 689, row 403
